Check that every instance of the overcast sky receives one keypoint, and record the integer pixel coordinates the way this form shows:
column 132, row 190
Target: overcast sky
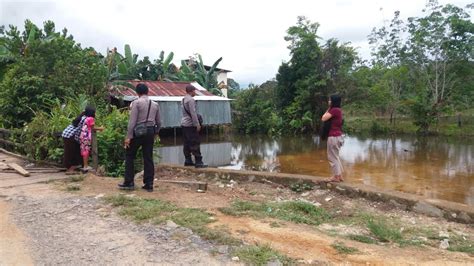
column 248, row 34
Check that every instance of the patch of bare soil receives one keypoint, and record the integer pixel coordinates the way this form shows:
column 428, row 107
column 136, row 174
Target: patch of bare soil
column 61, row 228
column 12, row 241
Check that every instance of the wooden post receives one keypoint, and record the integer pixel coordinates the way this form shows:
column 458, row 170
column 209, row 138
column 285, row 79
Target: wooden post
column 95, row 153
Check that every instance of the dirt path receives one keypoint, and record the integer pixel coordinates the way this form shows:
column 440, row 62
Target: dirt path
column 65, row 229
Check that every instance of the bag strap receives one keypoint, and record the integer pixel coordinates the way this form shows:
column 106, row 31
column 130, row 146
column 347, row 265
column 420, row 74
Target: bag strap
column 148, row 113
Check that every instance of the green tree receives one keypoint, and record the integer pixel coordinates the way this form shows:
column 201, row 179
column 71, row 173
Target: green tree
column 313, row 72
column 195, row 70
column 439, row 43
column 47, row 65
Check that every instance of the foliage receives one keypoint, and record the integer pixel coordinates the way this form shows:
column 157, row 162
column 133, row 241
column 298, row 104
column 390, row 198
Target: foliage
column 110, row 141
column 303, row 84
column 47, row 66
column 255, row 112
column 195, row 70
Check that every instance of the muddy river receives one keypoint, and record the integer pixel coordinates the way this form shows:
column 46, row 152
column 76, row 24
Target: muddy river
column 434, row 167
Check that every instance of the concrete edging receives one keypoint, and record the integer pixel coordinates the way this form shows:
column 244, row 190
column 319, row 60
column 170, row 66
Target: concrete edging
column 451, row 211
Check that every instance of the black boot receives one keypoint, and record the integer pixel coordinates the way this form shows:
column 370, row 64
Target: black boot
column 199, row 163
column 188, row 161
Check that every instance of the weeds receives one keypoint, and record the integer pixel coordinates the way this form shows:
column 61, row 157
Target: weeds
column 363, row 239
column 293, row 211
column 383, row 231
column 158, row 212
column 73, row 187
column 77, row 178
column 261, row 255
column 343, row 249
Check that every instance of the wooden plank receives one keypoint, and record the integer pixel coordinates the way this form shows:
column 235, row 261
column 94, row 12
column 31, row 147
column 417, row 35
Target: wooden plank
column 19, row 169
column 4, row 166
column 183, row 182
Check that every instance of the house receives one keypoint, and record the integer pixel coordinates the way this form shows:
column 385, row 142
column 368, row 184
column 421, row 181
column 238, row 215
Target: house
column 215, row 110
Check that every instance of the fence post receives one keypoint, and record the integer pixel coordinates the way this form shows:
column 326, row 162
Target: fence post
column 95, row 153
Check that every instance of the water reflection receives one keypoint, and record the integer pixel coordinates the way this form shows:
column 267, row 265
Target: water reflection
column 433, row 167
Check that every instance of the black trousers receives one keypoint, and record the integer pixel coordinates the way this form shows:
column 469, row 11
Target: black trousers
column 72, row 153
column 146, row 142
column 192, row 142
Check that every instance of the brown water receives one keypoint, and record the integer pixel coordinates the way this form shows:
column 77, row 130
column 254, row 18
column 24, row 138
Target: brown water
column 436, row 168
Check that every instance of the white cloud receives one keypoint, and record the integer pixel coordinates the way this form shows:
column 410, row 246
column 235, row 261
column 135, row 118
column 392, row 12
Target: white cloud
column 247, row 34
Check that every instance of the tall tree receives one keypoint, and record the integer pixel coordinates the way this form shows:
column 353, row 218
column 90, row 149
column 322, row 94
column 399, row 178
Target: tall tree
column 48, row 65
column 439, row 43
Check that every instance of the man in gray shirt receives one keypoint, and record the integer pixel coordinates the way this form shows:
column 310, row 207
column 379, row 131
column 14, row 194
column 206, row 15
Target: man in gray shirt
column 143, row 111
column 191, row 127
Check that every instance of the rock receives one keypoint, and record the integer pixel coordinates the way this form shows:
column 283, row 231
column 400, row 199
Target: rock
column 398, row 205
column 99, row 196
column 328, row 199
column 235, row 259
column 251, row 179
column 224, row 249
column 340, row 189
column 465, row 217
column 317, row 204
column 305, row 194
column 171, row 225
column 425, row 208
column 221, row 185
column 202, row 175
column 444, row 244
column 443, row 234
column 139, row 175
column 274, row 263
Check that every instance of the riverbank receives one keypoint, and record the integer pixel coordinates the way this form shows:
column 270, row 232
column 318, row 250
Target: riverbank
column 448, row 126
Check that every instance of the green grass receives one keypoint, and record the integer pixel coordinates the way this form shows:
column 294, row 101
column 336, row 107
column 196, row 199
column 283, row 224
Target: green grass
column 293, row 211
column 341, row 248
column 383, row 231
column 77, row 178
column 363, row 239
column 158, row 212
column 260, row 255
column 73, row 187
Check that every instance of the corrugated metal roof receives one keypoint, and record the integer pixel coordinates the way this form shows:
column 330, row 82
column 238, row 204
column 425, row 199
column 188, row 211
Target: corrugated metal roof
column 159, row 88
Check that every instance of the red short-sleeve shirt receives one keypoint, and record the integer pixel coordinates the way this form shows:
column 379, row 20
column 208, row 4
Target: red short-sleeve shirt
column 336, row 124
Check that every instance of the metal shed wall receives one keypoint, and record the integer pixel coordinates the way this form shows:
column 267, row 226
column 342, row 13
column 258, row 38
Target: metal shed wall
column 213, row 113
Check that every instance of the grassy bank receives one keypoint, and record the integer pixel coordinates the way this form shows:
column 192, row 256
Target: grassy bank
column 447, row 126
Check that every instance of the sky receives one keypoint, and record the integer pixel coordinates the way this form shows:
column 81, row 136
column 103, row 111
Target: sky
column 248, row 34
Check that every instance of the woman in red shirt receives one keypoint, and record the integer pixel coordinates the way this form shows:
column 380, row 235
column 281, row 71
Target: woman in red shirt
column 335, row 139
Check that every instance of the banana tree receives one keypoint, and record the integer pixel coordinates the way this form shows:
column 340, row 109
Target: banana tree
column 193, row 70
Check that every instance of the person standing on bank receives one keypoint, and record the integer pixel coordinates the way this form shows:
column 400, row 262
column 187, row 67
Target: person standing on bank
column 143, row 126
column 191, row 127
column 335, row 139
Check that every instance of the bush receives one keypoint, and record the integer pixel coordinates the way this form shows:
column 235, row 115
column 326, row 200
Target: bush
column 42, row 136
column 110, row 141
